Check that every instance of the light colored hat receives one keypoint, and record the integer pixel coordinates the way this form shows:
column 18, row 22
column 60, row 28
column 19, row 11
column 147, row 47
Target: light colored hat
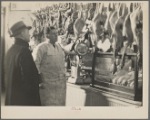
column 15, row 29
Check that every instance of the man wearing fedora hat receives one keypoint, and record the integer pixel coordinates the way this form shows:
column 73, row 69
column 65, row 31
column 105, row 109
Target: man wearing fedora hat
column 22, row 79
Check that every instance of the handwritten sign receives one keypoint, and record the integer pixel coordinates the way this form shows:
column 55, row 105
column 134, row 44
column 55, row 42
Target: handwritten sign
column 75, row 108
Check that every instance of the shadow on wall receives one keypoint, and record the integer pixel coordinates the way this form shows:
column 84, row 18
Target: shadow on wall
column 94, row 98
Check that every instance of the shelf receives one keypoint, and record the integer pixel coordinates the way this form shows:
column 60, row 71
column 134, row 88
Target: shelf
column 111, row 53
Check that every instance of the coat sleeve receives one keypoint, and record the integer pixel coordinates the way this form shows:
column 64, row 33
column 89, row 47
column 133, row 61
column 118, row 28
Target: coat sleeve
column 38, row 54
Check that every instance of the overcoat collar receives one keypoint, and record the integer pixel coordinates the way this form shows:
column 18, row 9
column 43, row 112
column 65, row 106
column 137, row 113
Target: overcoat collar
column 21, row 42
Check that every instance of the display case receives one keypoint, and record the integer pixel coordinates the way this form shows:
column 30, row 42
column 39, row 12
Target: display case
column 126, row 83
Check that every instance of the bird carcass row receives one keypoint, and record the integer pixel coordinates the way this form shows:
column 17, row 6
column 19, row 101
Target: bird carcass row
column 97, row 25
column 136, row 18
column 104, row 42
column 117, row 37
column 126, row 75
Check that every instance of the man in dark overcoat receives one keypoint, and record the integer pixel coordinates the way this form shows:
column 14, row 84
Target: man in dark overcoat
column 22, row 79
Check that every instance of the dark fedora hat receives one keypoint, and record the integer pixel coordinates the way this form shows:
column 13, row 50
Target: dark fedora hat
column 15, row 29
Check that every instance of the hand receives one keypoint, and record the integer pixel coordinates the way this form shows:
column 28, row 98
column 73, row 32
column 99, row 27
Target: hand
column 40, row 78
column 41, row 85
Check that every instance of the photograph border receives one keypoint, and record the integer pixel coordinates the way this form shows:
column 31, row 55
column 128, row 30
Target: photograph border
column 89, row 112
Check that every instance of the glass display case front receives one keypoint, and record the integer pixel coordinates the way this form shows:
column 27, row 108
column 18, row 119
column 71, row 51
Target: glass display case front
column 126, row 82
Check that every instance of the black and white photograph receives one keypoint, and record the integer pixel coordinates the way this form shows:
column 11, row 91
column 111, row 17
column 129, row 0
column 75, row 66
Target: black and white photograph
column 74, row 59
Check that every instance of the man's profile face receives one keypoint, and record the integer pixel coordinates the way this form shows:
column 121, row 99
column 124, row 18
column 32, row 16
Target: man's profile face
column 26, row 35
